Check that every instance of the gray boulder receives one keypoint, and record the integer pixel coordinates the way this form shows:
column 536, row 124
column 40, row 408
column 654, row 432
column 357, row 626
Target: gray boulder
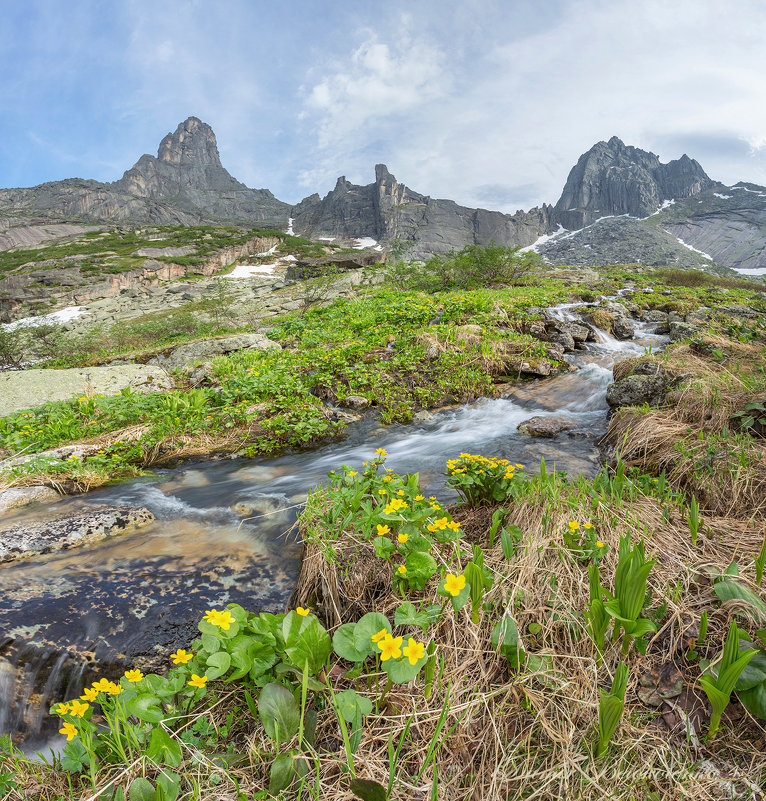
column 24, row 389
column 623, row 328
column 188, row 355
column 357, row 402
column 544, row 427
column 679, row 331
column 21, row 542
column 23, row 496
column 565, row 339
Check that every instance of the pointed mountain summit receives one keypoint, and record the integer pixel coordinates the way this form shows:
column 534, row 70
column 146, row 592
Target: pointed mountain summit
column 188, row 171
column 187, row 162
column 613, row 178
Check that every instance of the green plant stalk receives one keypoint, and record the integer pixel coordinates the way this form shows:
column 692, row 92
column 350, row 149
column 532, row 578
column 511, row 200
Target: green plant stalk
column 610, row 709
column 703, row 629
column 428, row 670
column 304, row 693
column 393, row 757
column 694, row 520
column 343, row 729
column 719, row 689
column 475, row 576
column 760, row 563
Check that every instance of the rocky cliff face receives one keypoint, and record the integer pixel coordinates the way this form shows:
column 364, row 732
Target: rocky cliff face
column 185, row 185
column 613, row 178
column 391, row 213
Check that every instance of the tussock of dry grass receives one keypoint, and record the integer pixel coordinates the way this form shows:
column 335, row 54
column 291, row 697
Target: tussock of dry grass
column 694, row 436
column 529, row 735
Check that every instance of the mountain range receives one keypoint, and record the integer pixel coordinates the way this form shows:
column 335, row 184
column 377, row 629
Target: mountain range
column 620, row 204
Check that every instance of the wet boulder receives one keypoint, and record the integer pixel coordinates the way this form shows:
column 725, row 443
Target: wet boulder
column 565, row 339
column 544, row 427
column 623, row 328
column 22, row 541
column 578, row 332
column 635, row 390
column 654, row 316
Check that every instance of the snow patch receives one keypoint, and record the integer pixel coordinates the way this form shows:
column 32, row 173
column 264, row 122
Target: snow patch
column 249, row 270
column 689, row 247
column 665, row 205
column 541, row 240
column 751, row 270
column 289, row 230
column 723, row 197
column 326, row 238
column 57, row 317
column 365, row 242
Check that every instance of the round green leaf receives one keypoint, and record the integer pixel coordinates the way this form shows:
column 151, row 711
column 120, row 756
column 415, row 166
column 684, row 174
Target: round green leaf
column 366, row 626
column 217, row 664
column 343, row 644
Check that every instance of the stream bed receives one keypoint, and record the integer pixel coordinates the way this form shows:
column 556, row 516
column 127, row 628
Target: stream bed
column 224, row 532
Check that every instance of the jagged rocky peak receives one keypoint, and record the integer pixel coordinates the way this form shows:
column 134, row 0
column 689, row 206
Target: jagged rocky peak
column 192, row 143
column 613, row 178
column 187, row 162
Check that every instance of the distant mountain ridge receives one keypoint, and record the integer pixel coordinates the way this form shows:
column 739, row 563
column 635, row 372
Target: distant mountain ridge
column 674, row 213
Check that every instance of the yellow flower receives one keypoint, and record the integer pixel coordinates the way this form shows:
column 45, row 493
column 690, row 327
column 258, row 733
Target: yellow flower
column 401, row 570
column 379, row 636
column 381, row 452
column 401, row 492
column 102, row 685
column 599, row 544
column 114, row 689
column 78, row 708
column 454, row 525
column 352, row 473
column 390, row 647
column 302, row 612
column 181, row 657
column 222, row 619
column 519, row 466
column 62, row 709
column 403, row 538
column 89, row 694
column 454, row 584
column 419, row 498
column 387, row 478
column 382, row 492
column 383, row 530
column 414, row 650
column 69, row 730
column 197, row 681
column 573, row 526
column 134, row 675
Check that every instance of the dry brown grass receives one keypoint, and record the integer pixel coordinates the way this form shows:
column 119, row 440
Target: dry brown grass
column 694, row 436
column 529, row 735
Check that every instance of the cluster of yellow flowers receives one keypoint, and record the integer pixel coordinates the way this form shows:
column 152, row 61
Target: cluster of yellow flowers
column 574, row 527
column 466, row 460
column 391, row 647
column 223, row 619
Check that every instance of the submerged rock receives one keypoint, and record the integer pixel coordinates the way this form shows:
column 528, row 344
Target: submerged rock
column 547, row 427
column 22, row 542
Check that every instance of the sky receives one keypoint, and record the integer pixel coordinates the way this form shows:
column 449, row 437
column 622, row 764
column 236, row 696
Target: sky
column 486, row 102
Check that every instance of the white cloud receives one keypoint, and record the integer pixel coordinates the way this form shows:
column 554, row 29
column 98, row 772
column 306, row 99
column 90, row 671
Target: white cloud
column 515, row 110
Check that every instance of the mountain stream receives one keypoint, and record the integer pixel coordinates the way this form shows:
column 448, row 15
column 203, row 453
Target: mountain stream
column 224, row 532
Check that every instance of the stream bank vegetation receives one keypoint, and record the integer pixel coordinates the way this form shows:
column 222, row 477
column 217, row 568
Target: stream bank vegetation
column 396, row 346
column 546, row 637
